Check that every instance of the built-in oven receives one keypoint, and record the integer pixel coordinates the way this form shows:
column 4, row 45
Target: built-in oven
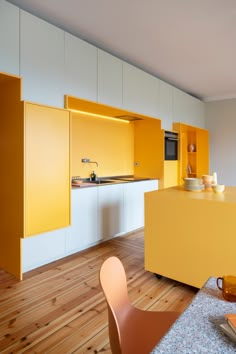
column 171, row 145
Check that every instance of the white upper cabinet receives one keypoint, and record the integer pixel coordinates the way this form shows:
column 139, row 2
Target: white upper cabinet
column 109, row 79
column 80, row 68
column 166, row 105
column 197, row 117
column 41, row 61
column 188, row 109
column 9, row 38
column 140, row 91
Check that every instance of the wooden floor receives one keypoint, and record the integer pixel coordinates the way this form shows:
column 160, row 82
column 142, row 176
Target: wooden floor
column 60, row 308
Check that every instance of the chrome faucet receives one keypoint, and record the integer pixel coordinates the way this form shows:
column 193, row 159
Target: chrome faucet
column 85, row 160
column 94, row 162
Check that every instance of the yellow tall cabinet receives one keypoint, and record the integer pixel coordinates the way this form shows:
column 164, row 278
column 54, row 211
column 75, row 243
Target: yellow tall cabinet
column 35, row 165
column 193, row 151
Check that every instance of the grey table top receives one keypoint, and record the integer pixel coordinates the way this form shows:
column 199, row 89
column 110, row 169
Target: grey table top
column 197, row 329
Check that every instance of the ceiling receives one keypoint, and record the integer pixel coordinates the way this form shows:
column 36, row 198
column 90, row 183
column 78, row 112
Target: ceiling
column 190, row 44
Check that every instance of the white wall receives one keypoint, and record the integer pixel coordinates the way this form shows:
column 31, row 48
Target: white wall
column 221, row 123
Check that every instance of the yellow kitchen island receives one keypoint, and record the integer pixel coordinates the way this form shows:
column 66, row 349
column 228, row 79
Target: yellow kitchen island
column 190, row 236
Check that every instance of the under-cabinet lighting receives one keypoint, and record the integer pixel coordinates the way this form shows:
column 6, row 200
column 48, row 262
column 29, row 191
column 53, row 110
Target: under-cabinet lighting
column 99, row 115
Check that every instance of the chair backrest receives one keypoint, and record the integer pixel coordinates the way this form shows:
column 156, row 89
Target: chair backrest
column 131, row 330
column 114, row 284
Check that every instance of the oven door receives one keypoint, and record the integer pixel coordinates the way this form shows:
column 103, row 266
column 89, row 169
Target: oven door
column 171, row 148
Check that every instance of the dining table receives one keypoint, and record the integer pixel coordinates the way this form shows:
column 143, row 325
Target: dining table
column 198, row 330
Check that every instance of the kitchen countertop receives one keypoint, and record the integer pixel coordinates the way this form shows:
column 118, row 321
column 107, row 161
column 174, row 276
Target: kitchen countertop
column 197, row 329
column 85, row 182
column 229, row 195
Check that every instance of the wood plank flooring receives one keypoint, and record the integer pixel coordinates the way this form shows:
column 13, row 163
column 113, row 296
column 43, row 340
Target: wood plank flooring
column 60, row 308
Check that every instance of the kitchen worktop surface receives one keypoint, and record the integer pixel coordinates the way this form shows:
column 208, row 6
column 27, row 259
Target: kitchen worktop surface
column 85, row 182
column 229, row 194
column 197, row 329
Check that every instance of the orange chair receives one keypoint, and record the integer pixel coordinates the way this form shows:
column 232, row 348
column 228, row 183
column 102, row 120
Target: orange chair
column 131, row 330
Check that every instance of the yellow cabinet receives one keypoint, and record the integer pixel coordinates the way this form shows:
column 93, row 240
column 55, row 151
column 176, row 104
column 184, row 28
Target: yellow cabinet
column 35, row 165
column 170, row 178
column 148, row 148
column 47, row 172
column 193, row 151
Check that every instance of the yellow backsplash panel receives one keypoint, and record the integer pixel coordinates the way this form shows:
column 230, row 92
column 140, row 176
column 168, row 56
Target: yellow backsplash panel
column 108, row 142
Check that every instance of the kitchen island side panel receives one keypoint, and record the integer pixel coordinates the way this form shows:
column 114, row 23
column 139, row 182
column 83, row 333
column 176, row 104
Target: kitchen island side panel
column 190, row 236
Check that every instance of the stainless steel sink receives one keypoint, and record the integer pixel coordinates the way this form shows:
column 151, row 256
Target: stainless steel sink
column 132, row 178
column 102, row 181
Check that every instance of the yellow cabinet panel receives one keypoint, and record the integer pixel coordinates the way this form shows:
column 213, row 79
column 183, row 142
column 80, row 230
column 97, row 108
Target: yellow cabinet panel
column 170, row 174
column 11, row 176
column 47, row 170
column 202, row 156
column 148, row 148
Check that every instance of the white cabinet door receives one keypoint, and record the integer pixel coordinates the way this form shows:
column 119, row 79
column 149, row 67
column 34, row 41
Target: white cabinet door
column 197, row 117
column 80, row 68
column 9, row 38
column 84, row 219
column 165, row 112
column 41, row 61
column 140, row 91
column 134, row 203
column 188, row 109
column 109, row 79
column 153, row 184
column 43, row 248
column 181, row 107
column 110, row 211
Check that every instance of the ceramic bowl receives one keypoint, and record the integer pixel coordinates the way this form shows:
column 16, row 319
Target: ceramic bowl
column 193, row 184
column 197, row 188
column 218, row 188
column 192, row 181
